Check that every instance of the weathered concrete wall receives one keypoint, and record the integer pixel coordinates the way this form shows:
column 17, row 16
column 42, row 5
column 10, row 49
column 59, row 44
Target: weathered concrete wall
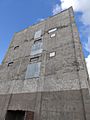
column 61, row 91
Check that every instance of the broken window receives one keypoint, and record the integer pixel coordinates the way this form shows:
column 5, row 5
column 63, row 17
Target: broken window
column 37, row 34
column 37, row 47
column 33, row 70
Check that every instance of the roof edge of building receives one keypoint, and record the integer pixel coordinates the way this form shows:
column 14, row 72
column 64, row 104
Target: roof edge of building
column 44, row 20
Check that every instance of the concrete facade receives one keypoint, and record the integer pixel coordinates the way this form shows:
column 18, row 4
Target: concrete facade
column 61, row 91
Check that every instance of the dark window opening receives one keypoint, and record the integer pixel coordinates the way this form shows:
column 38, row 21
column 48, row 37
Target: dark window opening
column 16, row 47
column 37, row 40
column 10, row 63
column 15, row 115
column 34, row 59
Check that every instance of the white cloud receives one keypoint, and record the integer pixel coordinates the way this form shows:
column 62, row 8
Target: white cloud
column 82, row 6
column 79, row 6
column 88, row 64
column 56, row 9
column 68, row 3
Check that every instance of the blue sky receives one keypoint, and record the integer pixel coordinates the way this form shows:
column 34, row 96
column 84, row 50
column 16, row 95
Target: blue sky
column 19, row 14
column 15, row 15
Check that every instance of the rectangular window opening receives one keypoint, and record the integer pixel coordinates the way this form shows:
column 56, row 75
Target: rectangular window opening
column 16, row 47
column 19, row 115
column 37, row 47
column 15, row 115
column 37, row 34
column 10, row 63
column 53, row 35
column 52, row 30
column 52, row 54
column 33, row 70
column 34, row 59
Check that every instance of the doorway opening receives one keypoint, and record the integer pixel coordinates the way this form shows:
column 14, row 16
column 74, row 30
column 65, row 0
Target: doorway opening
column 19, row 115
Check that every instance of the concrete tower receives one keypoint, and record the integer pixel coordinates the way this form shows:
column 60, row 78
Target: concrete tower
column 43, row 75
